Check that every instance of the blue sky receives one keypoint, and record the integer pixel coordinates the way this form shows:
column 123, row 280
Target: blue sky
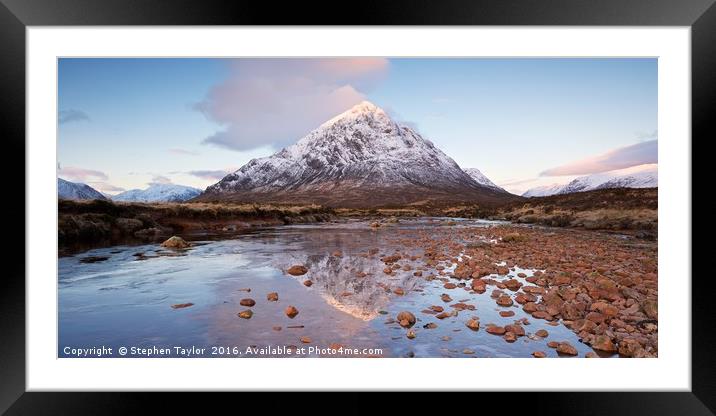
column 125, row 123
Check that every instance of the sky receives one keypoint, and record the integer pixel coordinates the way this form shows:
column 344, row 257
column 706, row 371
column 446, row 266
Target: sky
column 131, row 122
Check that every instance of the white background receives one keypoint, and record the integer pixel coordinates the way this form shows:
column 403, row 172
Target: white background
column 670, row 371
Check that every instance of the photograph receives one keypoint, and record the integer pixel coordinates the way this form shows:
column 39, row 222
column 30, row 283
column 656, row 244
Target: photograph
column 357, row 207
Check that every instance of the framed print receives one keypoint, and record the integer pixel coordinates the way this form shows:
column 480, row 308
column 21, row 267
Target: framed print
column 467, row 197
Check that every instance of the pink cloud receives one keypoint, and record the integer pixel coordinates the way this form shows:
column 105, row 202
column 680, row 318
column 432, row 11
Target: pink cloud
column 75, row 174
column 623, row 157
column 277, row 101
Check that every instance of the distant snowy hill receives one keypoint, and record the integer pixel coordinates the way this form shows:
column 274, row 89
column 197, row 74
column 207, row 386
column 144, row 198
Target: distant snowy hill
column 360, row 158
column 159, row 192
column 73, row 190
column 642, row 176
column 545, row 190
column 480, row 178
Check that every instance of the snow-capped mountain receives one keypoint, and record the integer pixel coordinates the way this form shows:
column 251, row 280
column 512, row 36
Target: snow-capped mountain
column 74, row 190
column 641, row 176
column 543, row 190
column 159, row 192
column 480, row 178
column 360, row 158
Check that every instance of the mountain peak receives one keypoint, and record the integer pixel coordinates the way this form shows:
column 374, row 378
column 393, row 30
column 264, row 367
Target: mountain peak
column 362, row 109
column 360, row 158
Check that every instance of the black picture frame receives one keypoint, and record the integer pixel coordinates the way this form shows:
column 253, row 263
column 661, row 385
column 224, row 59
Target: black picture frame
column 16, row 15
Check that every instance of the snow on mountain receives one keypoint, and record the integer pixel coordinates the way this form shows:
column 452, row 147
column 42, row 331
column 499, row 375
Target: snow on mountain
column 641, row 176
column 73, row 190
column 543, row 190
column 358, row 158
column 480, row 178
column 159, row 192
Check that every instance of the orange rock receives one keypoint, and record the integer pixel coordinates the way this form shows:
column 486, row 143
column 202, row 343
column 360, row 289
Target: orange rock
column 247, row 302
column 406, row 319
column 495, row 330
column 291, row 311
column 473, row 324
column 566, row 348
column 297, row 270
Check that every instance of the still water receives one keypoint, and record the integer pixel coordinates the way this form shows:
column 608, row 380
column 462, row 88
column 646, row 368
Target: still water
column 126, row 300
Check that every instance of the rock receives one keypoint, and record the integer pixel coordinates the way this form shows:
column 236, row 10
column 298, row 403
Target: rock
column 591, row 354
column 306, row 340
column 291, row 311
column 630, row 347
column 247, row 302
column 506, row 314
column 479, row 285
column 442, row 315
column 495, row 330
column 566, row 348
column 399, row 291
column 431, row 325
column 542, row 315
column 553, row 344
column 513, row 237
column 445, row 297
column 512, row 284
column 297, row 270
column 93, row 259
column 436, row 308
column 308, row 283
column 504, row 300
column 405, row 319
column 410, row 334
column 515, row 329
column 473, row 324
column 650, row 307
column 539, row 354
column 276, row 328
column 530, row 307
column 603, row 343
column 542, row 333
column 461, row 306
column 247, row 314
column 337, row 253
column 272, row 297
column 468, row 351
column 182, row 305
column 510, row 337
column 449, row 285
column 175, row 242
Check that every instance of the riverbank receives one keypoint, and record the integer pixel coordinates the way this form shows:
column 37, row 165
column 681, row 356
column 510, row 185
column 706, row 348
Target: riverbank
column 97, row 222
column 621, row 209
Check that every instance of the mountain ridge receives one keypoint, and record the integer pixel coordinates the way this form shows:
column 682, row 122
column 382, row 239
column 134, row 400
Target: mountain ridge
column 640, row 176
column 159, row 192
